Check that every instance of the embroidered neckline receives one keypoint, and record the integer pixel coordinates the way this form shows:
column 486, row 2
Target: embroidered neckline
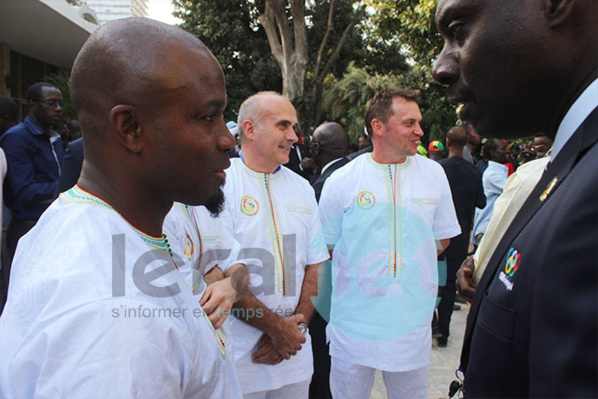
column 77, row 195
column 401, row 165
column 259, row 175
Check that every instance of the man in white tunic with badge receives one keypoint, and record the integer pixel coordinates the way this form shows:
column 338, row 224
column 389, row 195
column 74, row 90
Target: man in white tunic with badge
column 387, row 215
column 276, row 222
column 97, row 307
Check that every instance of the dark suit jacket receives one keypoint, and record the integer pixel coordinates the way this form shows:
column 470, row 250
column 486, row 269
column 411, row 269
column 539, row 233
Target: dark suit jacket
column 319, row 183
column 295, row 159
column 532, row 330
column 71, row 166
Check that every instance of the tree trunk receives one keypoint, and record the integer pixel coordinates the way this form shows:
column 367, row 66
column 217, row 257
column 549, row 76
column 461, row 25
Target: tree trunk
column 289, row 47
column 319, row 76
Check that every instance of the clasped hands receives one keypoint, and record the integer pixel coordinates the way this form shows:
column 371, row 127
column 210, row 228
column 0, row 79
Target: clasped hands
column 284, row 341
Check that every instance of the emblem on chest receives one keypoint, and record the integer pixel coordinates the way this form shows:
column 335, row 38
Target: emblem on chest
column 511, row 266
column 365, row 200
column 249, row 206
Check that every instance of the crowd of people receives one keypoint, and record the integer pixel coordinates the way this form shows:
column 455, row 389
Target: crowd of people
column 167, row 253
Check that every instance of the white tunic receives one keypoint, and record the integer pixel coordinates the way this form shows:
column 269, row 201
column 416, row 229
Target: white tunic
column 276, row 222
column 200, row 241
column 383, row 221
column 97, row 309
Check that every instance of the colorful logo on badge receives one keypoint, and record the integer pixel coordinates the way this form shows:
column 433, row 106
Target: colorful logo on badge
column 365, row 200
column 189, row 247
column 511, row 266
column 249, row 206
column 513, row 261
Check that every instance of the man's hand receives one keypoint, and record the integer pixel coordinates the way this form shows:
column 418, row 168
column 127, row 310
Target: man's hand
column 218, row 300
column 222, row 291
column 465, row 285
column 286, row 337
column 266, row 352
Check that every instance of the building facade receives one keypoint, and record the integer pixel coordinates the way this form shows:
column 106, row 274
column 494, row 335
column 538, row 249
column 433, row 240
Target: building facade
column 39, row 38
column 109, row 10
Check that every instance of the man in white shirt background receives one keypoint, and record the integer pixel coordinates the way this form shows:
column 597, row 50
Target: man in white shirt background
column 275, row 220
column 387, row 214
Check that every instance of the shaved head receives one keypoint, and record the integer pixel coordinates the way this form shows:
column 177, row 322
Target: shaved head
column 330, row 141
column 457, row 136
column 150, row 99
column 114, row 68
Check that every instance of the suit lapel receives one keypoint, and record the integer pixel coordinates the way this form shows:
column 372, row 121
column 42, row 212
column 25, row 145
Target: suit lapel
column 583, row 138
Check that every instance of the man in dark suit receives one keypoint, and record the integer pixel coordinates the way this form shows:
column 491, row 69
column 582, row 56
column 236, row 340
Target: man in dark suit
column 71, row 165
column 520, row 68
column 468, row 193
column 329, row 148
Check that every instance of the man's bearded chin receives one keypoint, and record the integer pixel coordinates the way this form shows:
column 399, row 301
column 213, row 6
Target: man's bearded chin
column 216, row 203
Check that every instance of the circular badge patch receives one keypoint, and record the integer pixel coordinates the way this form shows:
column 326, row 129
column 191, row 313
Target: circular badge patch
column 365, row 200
column 249, row 206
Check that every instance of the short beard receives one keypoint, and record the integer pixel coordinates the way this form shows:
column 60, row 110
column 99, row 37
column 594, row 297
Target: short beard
column 215, row 204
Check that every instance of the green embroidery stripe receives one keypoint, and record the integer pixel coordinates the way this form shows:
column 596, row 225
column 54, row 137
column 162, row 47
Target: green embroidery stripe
column 158, row 244
column 212, row 239
column 297, row 209
column 79, row 196
column 424, row 201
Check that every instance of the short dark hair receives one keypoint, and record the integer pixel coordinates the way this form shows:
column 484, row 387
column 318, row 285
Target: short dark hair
column 380, row 106
column 9, row 108
column 34, row 92
column 490, row 145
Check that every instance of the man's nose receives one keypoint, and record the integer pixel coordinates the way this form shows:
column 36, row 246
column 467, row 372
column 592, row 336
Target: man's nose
column 291, row 135
column 446, row 69
column 226, row 140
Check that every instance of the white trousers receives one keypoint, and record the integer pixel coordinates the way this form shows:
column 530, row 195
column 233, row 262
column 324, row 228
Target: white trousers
column 299, row 390
column 353, row 381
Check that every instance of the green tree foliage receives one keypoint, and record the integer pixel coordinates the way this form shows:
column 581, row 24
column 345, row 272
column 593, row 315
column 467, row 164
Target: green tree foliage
column 233, row 31
column 345, row 100
column 230, row 29
column 410, row 23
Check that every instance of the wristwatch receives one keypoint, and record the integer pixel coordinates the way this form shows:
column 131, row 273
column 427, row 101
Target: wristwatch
column 303, row 328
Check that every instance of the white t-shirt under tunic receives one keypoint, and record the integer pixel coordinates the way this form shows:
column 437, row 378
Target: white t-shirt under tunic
column 275, row 217
column 97, row 309
column 383, row 221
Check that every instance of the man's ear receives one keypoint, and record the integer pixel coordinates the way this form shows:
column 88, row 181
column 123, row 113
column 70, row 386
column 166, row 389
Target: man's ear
column 31, row 104
column 249, row 129
column 557, row 11
column 378, row 127
column 315, row 148
column 126, row 124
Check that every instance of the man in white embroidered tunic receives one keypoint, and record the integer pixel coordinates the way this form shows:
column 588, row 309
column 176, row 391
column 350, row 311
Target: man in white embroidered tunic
column 96, row 307
column 276, row 222
column 387, row 214
column 207, row 256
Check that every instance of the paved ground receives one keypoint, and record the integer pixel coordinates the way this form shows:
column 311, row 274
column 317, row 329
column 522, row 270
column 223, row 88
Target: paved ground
column 443, row 364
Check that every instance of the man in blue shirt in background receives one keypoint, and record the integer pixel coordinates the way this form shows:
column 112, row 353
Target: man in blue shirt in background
column 34, row 154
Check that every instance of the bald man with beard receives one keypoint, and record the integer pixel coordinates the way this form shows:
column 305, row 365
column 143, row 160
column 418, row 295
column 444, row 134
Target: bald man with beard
column 99, row 307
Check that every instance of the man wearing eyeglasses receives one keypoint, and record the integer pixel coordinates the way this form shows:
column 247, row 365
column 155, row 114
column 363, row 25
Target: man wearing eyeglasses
column 275, row 219
column 34, row 154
